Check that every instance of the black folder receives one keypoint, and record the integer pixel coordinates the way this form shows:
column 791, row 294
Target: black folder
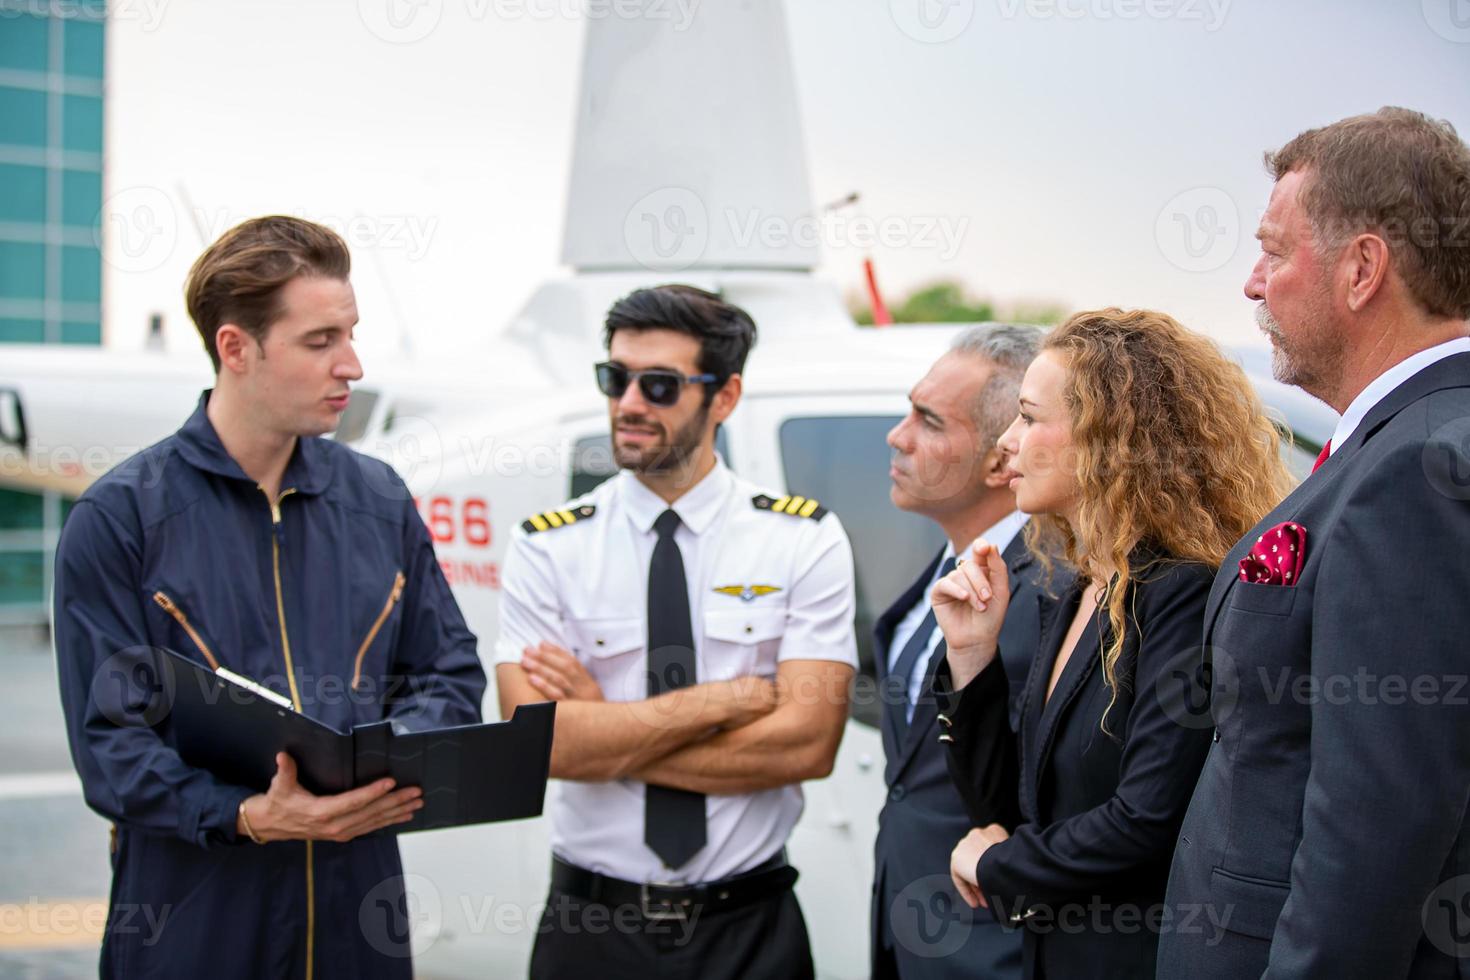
column 469, row 773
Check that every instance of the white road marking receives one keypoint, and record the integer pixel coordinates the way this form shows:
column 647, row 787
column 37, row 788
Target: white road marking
column 34, row 785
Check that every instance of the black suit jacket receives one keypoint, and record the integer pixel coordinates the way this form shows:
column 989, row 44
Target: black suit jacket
column 1328, row 833
column 1093, row 814
column 924, row 817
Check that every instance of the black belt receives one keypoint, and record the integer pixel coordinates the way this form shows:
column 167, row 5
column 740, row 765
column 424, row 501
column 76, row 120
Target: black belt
column 658, row 901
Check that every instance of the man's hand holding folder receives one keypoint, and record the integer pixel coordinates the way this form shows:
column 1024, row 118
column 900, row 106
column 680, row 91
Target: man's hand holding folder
column 287, row 811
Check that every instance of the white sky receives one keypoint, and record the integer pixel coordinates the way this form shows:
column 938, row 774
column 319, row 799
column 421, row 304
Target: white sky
column 1058, row 134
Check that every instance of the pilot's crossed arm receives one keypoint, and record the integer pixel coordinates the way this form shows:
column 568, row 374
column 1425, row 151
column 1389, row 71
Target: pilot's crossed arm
column 737, row 735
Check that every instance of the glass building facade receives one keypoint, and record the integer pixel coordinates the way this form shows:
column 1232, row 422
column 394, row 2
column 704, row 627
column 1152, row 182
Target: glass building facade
column 51, row 96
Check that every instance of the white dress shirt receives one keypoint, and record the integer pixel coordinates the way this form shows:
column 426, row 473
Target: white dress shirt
column 1001, row 534
column 584, row 587
column 1380, row 387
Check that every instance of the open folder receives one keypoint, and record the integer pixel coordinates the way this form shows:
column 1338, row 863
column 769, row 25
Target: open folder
column 470, row 773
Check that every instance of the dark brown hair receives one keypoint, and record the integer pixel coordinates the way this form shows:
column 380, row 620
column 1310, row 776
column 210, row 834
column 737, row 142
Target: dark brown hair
column 1400, row 175
column 239, row 278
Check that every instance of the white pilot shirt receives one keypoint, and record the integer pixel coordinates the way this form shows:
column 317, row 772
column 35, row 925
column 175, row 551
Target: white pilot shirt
column 764, row 586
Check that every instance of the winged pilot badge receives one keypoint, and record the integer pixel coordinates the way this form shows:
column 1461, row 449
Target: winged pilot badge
column 747, row 593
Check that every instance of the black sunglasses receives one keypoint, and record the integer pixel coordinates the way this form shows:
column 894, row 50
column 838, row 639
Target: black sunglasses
column 658, row 387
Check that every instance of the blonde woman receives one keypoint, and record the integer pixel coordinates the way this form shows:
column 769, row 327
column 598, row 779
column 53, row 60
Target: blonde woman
column 1145, row 454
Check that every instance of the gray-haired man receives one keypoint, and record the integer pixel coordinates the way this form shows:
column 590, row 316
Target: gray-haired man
column 946, row 467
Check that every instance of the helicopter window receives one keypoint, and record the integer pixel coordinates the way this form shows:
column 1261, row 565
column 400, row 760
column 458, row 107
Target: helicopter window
column 843, row 462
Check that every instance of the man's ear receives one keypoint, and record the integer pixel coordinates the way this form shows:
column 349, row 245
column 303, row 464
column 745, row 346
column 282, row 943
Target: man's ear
column 234, row 347
column 726, row 398
column 997, row 473
column 1367, row 266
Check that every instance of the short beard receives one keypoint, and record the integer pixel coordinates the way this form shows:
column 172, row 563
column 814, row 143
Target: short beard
column 677, row 452
column 1311, row 360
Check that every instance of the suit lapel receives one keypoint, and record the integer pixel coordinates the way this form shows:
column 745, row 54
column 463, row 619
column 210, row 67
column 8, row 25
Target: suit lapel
column 1451, row 372
column 924, row 713
column 1048, row 610
column 894, row 614
column 893, row 744
column 1079, row 668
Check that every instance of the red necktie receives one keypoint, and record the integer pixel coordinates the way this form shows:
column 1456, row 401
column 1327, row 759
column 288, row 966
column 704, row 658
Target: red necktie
column 1322, row 456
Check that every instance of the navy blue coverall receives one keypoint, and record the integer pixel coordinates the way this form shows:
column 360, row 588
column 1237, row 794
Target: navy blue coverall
column 330, row 595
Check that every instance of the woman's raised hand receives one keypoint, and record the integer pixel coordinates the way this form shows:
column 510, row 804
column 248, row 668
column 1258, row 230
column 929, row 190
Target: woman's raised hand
column 969, row 607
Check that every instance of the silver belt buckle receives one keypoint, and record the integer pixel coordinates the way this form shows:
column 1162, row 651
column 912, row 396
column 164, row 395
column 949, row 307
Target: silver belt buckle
column 663, row 911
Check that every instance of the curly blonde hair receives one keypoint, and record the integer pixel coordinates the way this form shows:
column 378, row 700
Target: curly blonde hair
column 1173, row 448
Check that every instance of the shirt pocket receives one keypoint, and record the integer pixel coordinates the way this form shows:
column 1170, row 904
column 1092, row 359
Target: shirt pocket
column 741, row 642
column 612, row 650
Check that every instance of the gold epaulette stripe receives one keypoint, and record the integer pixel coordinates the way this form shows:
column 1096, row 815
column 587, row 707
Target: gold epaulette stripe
column 560, row 517
column 796, row 506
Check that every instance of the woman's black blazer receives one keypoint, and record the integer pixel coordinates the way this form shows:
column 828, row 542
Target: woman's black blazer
column 1093, row 814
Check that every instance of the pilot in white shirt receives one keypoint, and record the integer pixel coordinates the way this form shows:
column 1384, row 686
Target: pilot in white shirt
column 697, row 634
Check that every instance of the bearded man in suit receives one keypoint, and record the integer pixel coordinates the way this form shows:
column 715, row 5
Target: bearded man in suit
column 1327, row 836
column 946, row 466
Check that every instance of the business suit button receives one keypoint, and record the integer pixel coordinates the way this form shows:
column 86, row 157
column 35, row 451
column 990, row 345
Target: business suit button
column 1216, row 736
column 946, row 739
column 943, row 719
column 897, row 793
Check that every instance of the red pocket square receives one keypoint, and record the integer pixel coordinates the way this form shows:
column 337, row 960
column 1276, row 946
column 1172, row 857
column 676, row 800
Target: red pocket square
column 1277, row 556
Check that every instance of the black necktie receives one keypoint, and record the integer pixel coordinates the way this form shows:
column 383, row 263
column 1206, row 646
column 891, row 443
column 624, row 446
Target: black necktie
column 903, row 670
column 673, row 819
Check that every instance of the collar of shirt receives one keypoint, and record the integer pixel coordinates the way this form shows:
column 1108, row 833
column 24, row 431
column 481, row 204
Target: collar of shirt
column 1379, row 387
column 1004, row 531
column 697, row 508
